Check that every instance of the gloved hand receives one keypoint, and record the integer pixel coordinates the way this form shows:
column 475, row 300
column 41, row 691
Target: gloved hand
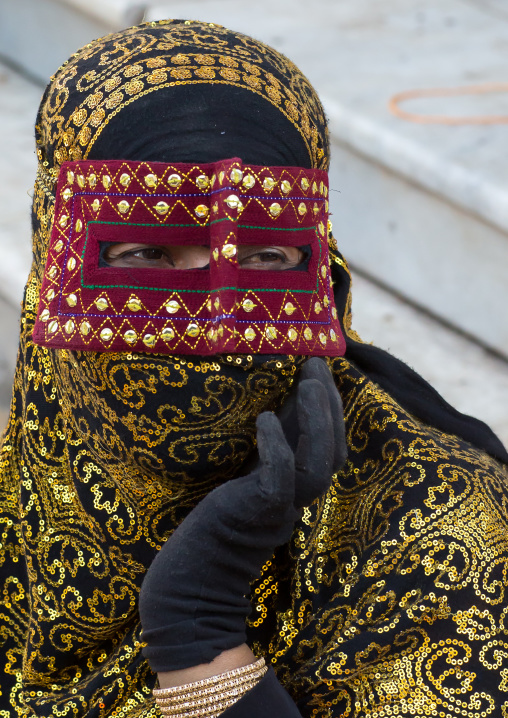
column 193, row 602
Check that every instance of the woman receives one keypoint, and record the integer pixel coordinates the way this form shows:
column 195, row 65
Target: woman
column 169, row 154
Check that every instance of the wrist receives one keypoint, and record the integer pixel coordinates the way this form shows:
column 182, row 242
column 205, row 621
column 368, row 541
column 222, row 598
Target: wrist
column 226, row 661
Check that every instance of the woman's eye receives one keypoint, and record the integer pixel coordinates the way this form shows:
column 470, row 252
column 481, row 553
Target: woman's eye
column 153, row 257
column 149, row 253
column 251, row 257
column 265, row 257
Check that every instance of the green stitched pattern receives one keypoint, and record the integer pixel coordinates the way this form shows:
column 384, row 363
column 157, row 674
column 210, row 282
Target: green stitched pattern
column 192, row 291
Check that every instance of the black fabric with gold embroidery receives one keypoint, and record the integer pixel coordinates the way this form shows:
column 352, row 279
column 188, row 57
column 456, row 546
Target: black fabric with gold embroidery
column 389, row 598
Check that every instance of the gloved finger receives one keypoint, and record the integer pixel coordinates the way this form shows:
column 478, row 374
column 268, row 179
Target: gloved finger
column 277, row 462
column 316, row 368
column 288, row 417
column 315, row 454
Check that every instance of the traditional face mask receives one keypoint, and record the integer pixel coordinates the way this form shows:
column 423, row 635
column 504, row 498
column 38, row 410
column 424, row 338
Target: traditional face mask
column 224, row 307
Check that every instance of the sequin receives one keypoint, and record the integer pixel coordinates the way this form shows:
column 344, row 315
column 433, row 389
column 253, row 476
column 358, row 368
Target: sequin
column 229, row 250
column 236, row 175
column 167, row 334
column 307, row 333
column 271, row 332
column 232, row 201
column 202, row 181
column 292, row 334
column 125, row 179
column 134, row 304
column 275, row 209
column 85, row 328
column 174, row 180
column 172, row 306
column 302, row 209
column 201, row 210
column 130, row 336
column 67, row 194
column 79, row 226
column 193, row 330
column 248, row 181
column 63, row 220
column 53, row 326
column 69, row 326
column 305, row 184
column 96, row 205
column 106, row 181
column 44, row 315
column 71, row 300
column 149, row 340
column 101, row 303
column 123, row 206
column 59, row 246
column 317, row 307
column 162, row 208
column 285, row 186
column 106, row 334
column 248, row 305
column 268, row 184
column 249, row 334
column 151, row 180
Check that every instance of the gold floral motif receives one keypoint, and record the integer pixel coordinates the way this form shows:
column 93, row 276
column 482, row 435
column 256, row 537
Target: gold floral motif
column 157, row 77
column 133, row 87
column 181, row 73
column 205, row 73
column 205, row 59
column 228, row 74
column 133, row 70
column 115, row 99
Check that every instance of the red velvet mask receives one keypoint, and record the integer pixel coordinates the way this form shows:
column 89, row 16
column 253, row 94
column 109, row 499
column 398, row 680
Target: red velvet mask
column 222, row 308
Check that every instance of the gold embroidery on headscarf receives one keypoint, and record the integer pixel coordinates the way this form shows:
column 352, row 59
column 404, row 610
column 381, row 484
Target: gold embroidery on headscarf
column 127, row 74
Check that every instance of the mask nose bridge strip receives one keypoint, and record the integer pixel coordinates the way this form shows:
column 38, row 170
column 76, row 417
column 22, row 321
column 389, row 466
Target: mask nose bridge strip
column 225, row 207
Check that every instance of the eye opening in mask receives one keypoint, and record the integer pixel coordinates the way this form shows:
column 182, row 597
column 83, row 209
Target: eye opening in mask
column 174, row 256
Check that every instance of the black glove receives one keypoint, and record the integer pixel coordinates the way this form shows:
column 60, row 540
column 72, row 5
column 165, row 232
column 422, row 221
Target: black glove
column 193, row 601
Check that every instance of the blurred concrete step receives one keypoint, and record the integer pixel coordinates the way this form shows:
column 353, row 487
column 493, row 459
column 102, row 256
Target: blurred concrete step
column 39, row 35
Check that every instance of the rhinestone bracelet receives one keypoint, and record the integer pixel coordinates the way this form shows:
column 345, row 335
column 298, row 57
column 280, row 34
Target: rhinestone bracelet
column 194, row 700
column 209, row 697
column 224, row 686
